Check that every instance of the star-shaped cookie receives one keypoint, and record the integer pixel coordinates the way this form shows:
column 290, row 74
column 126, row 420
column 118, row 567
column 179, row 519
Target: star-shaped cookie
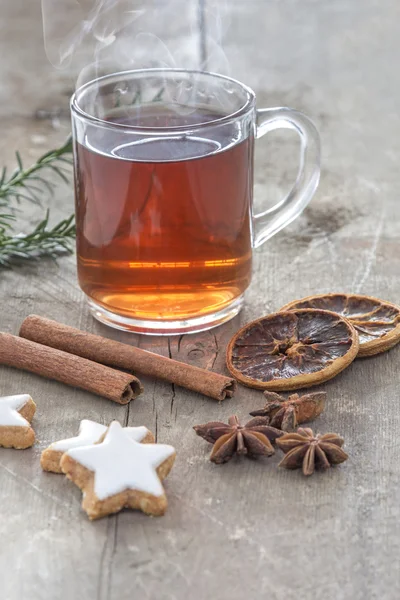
column 89, row 433
column 16, row 414
column 120, row 473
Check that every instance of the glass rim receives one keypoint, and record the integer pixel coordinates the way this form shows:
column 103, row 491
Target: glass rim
column 245, row 108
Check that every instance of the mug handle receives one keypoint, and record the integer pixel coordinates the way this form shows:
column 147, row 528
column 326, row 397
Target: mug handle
column 270, row 221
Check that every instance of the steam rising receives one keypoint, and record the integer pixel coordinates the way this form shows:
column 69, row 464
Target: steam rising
column 96, row 37
column 71, row 26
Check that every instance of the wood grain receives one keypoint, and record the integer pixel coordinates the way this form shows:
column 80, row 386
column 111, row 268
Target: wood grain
column 245, row 529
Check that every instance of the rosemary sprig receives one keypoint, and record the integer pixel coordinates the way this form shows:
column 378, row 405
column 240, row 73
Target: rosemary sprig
column 40, row 242
column 29, row 184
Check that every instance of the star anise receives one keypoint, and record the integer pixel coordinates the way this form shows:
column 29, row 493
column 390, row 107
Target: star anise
column 309, row 451
column 286, row 414
column 253, row 439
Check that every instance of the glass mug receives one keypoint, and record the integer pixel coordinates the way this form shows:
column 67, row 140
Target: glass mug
column 163, row 187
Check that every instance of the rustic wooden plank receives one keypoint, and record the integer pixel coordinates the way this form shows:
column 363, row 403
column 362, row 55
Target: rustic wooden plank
column 245, row 528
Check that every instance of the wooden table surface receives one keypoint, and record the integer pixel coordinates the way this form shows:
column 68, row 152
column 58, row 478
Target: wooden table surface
column 245, row 529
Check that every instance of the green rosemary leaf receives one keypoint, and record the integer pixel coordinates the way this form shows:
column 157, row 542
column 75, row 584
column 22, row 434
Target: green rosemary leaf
column 159, row 95
column 5, row 220
column 3, row 176
column 18, row 196
column 60, row 173
column 41, row 241
column 137, row 98
column 19, row 161
column 47, row 184
column 69, row 161
column 22, row 178
column 28, row 184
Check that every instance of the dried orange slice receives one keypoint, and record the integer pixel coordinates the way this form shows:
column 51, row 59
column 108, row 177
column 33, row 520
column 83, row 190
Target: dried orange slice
column 377, row 322
column 293, row 349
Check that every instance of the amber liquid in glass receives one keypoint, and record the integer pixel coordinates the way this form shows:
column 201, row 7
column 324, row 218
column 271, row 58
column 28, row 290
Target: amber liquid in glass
column 163, row 226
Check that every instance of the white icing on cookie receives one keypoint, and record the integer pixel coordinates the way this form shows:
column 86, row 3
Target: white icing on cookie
column 9, row 407
column 90, row 432
column 121, row 463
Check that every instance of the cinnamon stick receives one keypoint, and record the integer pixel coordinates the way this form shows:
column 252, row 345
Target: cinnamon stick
column 67, row 368
column 121, row 355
